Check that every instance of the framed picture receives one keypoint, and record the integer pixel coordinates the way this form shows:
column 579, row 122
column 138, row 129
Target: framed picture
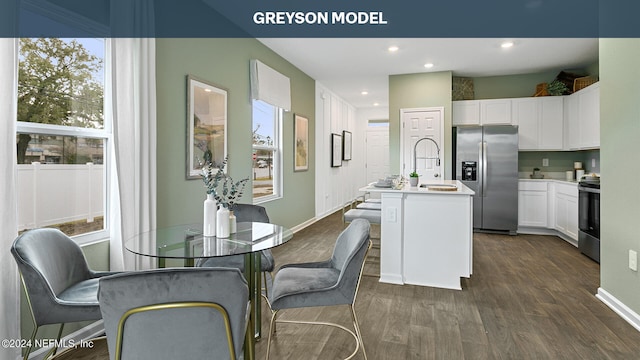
column 336, row 150
column 301, row 143
column 346, row 145
column 206, row 125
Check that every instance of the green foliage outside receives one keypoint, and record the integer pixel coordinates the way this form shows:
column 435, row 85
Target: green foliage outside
column 57, row 86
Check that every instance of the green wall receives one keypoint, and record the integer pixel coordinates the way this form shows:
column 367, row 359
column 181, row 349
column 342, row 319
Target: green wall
column 225, row 62
column 524, row 85
column 619, row 134
column 510, row 86
column 415, row 91
column 559, row 161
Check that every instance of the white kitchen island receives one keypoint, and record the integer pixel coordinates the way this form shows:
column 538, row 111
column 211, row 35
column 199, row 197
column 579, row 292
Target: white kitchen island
column 426, row 235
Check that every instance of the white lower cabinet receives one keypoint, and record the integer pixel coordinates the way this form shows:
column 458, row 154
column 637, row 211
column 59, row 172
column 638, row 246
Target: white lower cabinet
column 532, row 203
column 566, row 209
column 548, row 207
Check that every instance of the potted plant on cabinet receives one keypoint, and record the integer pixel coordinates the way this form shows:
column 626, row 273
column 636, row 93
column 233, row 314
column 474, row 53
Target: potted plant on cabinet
column 413, row 179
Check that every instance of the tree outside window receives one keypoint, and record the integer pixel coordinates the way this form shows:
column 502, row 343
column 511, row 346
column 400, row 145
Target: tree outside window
column 62, row 135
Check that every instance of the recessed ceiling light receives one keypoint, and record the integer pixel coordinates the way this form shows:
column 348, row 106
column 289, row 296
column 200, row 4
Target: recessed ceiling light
column 393, row 48
column 364, row 93
column 506, row 44
column 428, row 65
column 375, row 104
column 207, row 90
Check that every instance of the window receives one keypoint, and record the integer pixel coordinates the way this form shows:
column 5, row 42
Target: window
column 267, row 153
column 62, row 136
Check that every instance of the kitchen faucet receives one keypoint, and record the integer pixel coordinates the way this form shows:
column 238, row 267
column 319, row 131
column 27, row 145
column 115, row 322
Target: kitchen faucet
column 415, row 155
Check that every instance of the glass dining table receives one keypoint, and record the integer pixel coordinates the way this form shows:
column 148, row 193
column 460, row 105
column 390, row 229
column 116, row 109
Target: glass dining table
column 184, row 245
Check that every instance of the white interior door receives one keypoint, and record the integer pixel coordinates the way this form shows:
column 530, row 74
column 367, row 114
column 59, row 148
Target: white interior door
column 377, row 152
column 416, row 125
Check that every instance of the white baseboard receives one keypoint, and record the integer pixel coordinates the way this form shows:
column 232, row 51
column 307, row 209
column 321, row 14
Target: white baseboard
column 305, row 224
column 88, row 332
column 619, row 308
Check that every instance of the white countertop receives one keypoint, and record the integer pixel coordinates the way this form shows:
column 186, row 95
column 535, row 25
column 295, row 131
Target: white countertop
column 573, row 182
column 462, row 189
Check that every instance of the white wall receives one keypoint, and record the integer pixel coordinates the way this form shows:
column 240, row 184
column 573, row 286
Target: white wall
column 336, row 185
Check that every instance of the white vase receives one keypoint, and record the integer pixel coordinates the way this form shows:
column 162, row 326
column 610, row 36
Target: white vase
column 413, row 181
column 209, row 220
column 233, row 226
column 222, row 223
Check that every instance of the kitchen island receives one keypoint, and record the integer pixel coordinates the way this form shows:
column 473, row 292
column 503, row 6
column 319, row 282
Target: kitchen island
column 426, row 234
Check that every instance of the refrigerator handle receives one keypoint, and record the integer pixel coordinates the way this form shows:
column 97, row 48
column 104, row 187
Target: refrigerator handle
column 485, row 165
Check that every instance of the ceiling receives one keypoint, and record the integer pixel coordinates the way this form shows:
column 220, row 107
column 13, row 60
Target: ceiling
column 350, row 66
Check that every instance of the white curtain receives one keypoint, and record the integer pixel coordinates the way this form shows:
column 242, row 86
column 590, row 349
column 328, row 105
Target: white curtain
column 270, row 86
column 131, row 104
column 9, row 278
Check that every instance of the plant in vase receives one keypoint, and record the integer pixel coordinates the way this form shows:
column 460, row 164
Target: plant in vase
column 211, row 177
column 413, row 179
column 231, row 192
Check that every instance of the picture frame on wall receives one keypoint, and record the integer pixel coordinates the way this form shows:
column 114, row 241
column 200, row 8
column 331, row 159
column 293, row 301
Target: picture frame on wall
column 336, row 150
column 346, row 145
column 206, row 125
column 301, row 143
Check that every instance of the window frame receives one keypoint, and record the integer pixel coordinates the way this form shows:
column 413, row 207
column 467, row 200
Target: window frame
column 277, row 149
column 105, row 134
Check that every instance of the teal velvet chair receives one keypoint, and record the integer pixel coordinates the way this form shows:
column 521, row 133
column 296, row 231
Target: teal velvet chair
column 59, row 285
column 326, row 283
column 175, row 313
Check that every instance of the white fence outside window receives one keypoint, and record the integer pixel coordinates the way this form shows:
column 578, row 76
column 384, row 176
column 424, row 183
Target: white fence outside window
column 50, row 194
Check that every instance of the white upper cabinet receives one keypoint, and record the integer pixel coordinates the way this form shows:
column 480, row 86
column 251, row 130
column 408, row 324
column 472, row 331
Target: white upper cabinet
column 495, row 112
column 466, row 112
column 582, row 117
column 540, row 122
column 525, row 115
column 589, row 114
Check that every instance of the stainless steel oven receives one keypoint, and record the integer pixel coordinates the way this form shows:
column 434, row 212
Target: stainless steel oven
column 589, row 217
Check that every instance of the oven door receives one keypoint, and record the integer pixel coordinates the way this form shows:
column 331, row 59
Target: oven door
column 589, row 210
column 589, row 222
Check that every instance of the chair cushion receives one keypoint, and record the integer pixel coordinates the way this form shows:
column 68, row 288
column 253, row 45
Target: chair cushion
column 84, row 292
column 369, row 206
column 373, row 216
column 300, row 285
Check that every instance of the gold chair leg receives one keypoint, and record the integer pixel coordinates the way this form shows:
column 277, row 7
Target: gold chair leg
column 31, row 341
column 272, row 330
column 53, row 351
column 358, row 332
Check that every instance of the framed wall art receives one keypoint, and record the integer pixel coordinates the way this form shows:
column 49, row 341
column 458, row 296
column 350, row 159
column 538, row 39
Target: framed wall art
column 336, row 150
column 346, row 145
column 301, row 143
column 206, row 125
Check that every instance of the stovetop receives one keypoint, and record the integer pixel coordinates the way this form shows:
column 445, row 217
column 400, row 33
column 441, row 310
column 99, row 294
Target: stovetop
column 590, row 181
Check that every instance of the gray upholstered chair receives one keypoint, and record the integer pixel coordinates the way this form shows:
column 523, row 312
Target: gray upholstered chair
column 327, row 283
column 59, row 285
column 245, row 212
column 175, row 313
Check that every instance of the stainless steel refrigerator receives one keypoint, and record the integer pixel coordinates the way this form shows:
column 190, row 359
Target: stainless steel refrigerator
column 486, row 160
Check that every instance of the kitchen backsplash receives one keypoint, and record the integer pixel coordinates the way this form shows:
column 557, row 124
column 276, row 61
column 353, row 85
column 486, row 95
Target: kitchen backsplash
column 559, row 161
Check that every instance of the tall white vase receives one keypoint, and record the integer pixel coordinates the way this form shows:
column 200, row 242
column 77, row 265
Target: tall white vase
column 209, row 220
column 233, row 224
column 222, row 223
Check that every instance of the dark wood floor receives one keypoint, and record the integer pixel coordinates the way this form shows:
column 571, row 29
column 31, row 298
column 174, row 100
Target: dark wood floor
column 530, row 297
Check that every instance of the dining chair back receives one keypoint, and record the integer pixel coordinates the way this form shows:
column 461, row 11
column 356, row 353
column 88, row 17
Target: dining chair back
column 175, row 313
column 326, row 283
column 58, row 282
